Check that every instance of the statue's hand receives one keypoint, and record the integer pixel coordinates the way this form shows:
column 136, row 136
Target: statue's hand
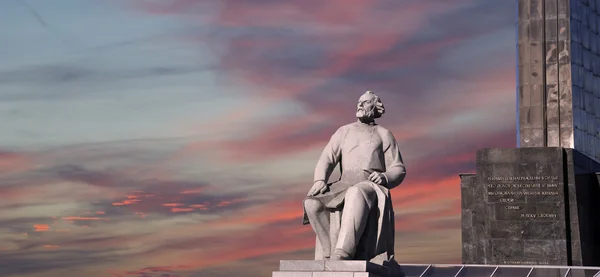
column 319, row 187
column 377, row 178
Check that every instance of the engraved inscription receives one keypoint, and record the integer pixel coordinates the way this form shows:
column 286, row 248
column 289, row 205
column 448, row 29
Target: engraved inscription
column 494, row 193
column 522, row 206
column 524, row 197
column 538, row 216
column 523, row 178
column 526, row 262
column 522, row 189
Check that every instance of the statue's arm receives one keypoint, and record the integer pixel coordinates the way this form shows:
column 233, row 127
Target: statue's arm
column 329, row 158
column 395, row 169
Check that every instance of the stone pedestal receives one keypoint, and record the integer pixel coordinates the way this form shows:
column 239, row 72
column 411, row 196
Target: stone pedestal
column 321, row 268
column 531, row 206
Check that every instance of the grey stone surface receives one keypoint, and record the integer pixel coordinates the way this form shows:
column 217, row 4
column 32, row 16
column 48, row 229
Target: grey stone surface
column 352, row 217
column 517, row 215
column 292, row 274
column 472, row 249
column 531, row 206
column 558, row 49
column 333, row 274
column 330, row 265
column 365, row 274
column 337, row 268
column 333, row 266
column 356, row 266
column 301, row 265
column 441, row 270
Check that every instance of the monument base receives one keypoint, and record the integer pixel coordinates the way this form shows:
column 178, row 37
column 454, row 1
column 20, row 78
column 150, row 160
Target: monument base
column 531, row 206
column 328, row 268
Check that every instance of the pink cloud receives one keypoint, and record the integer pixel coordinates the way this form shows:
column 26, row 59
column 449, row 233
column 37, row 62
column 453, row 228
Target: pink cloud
column 353, row 49
column 83, row 218
column 14, row 162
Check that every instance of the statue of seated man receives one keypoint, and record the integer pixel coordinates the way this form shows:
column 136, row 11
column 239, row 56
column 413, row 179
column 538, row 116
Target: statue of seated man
column 353, row 217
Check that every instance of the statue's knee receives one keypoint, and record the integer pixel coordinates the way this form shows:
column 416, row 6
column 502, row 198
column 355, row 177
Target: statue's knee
column 353, row 191
column 360, row 191
column 313, row 206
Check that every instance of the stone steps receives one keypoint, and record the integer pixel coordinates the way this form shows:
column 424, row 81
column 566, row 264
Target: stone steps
column 322, row 274
column 327, row 268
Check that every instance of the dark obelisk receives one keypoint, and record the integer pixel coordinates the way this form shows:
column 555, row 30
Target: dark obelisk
column 539, row 203
column 558, row 69
column 545, row 94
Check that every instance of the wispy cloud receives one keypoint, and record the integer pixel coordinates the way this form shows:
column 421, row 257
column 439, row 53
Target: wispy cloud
column 257, row 87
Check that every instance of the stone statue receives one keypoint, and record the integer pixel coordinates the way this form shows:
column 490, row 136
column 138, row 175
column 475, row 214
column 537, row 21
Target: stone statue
column 353, row 217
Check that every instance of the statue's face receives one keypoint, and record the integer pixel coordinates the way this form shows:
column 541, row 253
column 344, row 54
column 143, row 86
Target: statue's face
column 366, row 106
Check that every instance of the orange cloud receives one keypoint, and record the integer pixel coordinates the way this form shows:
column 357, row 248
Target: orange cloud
column 126, row 202
column 192, row 191
column 41, row 227
column 198, row 206
column 172, row 204
column 225, row 203
column 178, row 210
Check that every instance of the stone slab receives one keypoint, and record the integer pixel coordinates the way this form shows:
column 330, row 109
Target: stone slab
column 333, row 274
column 322, row 274
column 302, row 265
column 531, row 206
column 356, row 266
column 332, row 266
column 292, row 274
column 523, row 190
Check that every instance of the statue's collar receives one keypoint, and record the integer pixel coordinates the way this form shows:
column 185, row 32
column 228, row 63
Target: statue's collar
column 371, row 123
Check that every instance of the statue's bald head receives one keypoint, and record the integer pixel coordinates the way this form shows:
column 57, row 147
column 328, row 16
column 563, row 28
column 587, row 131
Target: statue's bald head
column 369, row 106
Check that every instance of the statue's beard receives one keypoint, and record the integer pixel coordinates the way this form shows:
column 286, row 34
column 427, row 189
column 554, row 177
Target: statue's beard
column 365, row 114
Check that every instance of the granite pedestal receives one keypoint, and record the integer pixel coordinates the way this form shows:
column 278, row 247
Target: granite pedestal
column 329, row 268
column 531, row 206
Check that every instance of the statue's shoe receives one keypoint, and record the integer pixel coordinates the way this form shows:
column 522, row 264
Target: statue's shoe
column 340, row 255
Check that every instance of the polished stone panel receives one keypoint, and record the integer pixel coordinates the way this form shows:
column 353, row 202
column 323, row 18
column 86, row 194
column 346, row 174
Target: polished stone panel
column 531, row 206
column 523, row 192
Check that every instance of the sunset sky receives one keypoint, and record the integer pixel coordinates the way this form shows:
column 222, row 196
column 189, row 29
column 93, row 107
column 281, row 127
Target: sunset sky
column 179, row 137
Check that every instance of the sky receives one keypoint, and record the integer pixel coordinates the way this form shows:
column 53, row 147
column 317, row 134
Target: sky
column 179, row 137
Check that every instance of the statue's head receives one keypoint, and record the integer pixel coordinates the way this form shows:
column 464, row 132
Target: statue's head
column 369, row 106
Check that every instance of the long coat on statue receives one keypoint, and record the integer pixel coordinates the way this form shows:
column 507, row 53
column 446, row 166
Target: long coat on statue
column 360, row 149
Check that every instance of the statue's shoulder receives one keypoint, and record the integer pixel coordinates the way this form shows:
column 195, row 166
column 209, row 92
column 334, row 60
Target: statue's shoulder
column 347, row 126
column 344, row 128
column 341, row 131
column 384, row 132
